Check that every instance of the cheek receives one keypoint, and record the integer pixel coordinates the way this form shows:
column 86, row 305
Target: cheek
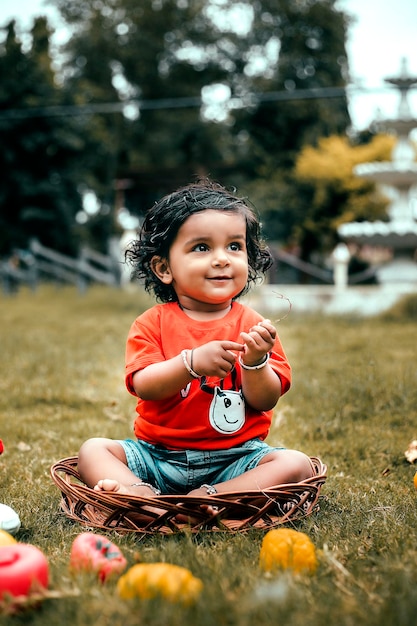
column 244, row 268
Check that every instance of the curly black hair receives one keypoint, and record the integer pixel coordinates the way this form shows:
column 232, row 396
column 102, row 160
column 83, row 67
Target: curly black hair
column 163, row 221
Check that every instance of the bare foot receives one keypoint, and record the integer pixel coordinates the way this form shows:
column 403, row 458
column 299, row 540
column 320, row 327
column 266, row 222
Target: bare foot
column 108, row 484
column 113, row 486
column 211, row 510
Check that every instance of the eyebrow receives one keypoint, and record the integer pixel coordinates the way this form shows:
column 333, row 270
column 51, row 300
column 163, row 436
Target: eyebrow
column 207, row 238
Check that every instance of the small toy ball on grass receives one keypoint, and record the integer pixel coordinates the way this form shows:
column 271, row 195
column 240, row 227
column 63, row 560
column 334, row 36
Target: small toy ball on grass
column 285, row 548
column 6, row 539
column 415, row 480
column 151, row 580
column 95, row 553
column 9, row 519
column 24, row 570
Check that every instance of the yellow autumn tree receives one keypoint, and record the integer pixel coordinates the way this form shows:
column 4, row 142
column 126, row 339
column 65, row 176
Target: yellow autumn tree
column 329, row 169
column 329, row 192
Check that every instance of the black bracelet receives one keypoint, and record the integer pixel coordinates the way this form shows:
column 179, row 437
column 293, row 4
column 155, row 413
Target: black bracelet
column 191, row 359
column 187, row 366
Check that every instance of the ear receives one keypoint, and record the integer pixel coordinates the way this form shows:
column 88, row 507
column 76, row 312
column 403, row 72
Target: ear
column 161, row 269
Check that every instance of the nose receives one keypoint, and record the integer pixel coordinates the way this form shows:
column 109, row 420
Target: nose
column 220, row 258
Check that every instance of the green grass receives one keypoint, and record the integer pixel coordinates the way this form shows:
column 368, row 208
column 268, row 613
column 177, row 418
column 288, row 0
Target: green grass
column 353, row 403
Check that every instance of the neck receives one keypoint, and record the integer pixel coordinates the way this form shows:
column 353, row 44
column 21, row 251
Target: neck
column 196, row 314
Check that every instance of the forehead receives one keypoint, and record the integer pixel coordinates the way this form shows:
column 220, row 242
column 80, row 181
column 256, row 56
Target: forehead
column 213, row 221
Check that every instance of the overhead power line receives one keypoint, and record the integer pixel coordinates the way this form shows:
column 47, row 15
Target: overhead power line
column 236, row 102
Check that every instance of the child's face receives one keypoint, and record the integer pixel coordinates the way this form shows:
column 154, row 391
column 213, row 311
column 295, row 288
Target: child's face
column 208, row 261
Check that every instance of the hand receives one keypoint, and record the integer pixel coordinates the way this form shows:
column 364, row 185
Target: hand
column 216, row 358
column 258, row 342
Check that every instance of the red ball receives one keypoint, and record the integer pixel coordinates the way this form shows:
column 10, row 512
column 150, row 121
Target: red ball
column 95, row 553
column 23, row 569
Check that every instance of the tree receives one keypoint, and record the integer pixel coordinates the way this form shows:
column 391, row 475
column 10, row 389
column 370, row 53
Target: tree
column 148, row 66
column 129, row 52
column 157, row 52
column 294, row 55
column 305, row 74
column 332, row 194
column 37, row 197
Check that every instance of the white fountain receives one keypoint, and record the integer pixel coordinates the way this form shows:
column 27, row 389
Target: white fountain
column 399, row 233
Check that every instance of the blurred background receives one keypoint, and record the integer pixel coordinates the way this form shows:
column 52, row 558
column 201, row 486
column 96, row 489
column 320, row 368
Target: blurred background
column 105, row 105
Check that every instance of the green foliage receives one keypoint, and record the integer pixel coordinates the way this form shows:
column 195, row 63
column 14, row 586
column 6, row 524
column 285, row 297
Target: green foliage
column 37, row 194
column 137, row 48
column 141, row 58
column 353, row 403
column 312, row 55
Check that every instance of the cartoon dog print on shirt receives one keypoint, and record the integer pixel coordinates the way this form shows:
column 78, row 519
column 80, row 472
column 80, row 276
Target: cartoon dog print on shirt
column 227, row 409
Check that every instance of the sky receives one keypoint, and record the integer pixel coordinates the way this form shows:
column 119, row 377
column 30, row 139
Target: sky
column 382, row 34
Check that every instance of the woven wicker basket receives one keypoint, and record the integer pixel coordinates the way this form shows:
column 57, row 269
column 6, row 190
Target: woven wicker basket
column 236, row 511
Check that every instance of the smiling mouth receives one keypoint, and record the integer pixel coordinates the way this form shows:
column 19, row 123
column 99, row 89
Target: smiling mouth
column 229, row 421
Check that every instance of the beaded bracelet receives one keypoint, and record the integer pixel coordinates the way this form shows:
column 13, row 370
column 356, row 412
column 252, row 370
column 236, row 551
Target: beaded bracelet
column 187, row 366
column 156, row 491
column 254, row 367
column 211, row 491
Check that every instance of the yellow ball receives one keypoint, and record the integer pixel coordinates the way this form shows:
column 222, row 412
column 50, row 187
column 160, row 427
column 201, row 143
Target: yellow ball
column 6, row 539
column 285, row 548
column 151, row 580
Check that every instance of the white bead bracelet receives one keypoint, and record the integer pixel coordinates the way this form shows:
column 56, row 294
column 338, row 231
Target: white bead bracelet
column 187, row 365
column 259, row 366
column 156, row 491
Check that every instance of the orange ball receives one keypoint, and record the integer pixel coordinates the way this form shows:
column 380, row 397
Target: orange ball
column 415, row 480
column 285, row 548
column 6, row 539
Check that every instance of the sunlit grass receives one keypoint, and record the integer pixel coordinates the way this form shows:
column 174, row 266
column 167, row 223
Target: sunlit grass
column 353, row 403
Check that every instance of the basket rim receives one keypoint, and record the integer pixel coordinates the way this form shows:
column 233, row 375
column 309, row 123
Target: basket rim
column 236, row 510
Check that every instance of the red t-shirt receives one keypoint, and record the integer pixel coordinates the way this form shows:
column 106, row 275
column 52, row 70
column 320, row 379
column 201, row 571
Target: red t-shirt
column 209, row 413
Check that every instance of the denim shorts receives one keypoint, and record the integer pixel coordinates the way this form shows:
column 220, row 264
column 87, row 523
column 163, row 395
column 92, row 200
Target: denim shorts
column 180, row 471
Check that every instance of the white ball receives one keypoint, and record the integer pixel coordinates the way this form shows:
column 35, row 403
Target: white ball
column 9, row 519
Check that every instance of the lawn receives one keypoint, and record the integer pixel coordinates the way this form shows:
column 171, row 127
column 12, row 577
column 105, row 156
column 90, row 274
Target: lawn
column 353, row 404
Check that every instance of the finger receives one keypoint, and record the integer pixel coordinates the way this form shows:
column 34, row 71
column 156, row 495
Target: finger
column 247, row 337
column 256, row 340
column 232, row 345
column 253, row 341
column 265, row 324
column 265, row 331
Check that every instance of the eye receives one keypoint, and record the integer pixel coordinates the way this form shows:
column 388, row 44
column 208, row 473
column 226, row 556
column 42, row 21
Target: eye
column 235, row 246
column 200, row 247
